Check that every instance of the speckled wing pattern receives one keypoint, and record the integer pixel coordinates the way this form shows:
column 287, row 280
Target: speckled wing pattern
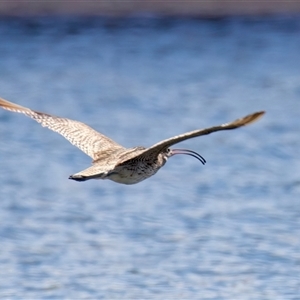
column 80, row 135
column 165, row 144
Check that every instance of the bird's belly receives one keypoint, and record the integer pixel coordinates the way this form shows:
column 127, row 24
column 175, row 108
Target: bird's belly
column 130, row 176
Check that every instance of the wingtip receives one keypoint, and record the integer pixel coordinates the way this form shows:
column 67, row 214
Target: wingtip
column 249, row 119
column 257, row 115
column 260, row 113
column 12, row 106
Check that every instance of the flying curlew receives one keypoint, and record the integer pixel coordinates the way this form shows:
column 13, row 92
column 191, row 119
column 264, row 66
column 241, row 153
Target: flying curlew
column 111, row 160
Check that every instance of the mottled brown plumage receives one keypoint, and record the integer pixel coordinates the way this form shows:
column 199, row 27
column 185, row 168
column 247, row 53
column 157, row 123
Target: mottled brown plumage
column 111, row 160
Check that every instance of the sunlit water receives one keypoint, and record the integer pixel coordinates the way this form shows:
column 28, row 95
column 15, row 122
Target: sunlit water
column 226, row 230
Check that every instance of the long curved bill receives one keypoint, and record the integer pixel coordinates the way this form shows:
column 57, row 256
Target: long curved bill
column 189, row 152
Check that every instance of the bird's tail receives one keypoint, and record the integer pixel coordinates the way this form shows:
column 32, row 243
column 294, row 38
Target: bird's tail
column 90, row 173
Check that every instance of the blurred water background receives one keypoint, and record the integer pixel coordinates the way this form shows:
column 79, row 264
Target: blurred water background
column 226, row 230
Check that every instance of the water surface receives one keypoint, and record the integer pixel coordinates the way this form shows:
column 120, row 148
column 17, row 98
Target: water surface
column 226, row 230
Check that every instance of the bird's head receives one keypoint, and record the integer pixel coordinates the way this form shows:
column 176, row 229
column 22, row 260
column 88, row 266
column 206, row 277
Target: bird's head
column 171, row 152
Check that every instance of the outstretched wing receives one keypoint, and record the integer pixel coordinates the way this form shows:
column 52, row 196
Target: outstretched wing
column 80, row 135
column 163, row 145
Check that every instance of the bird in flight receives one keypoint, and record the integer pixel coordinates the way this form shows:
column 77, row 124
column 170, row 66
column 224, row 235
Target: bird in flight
column 113, row 161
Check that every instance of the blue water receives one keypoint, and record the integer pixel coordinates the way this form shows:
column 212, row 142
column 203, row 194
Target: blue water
column 226, row 230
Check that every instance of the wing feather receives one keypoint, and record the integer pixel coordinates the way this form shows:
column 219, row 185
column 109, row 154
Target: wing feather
column 163, row 145
column 80, row 135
